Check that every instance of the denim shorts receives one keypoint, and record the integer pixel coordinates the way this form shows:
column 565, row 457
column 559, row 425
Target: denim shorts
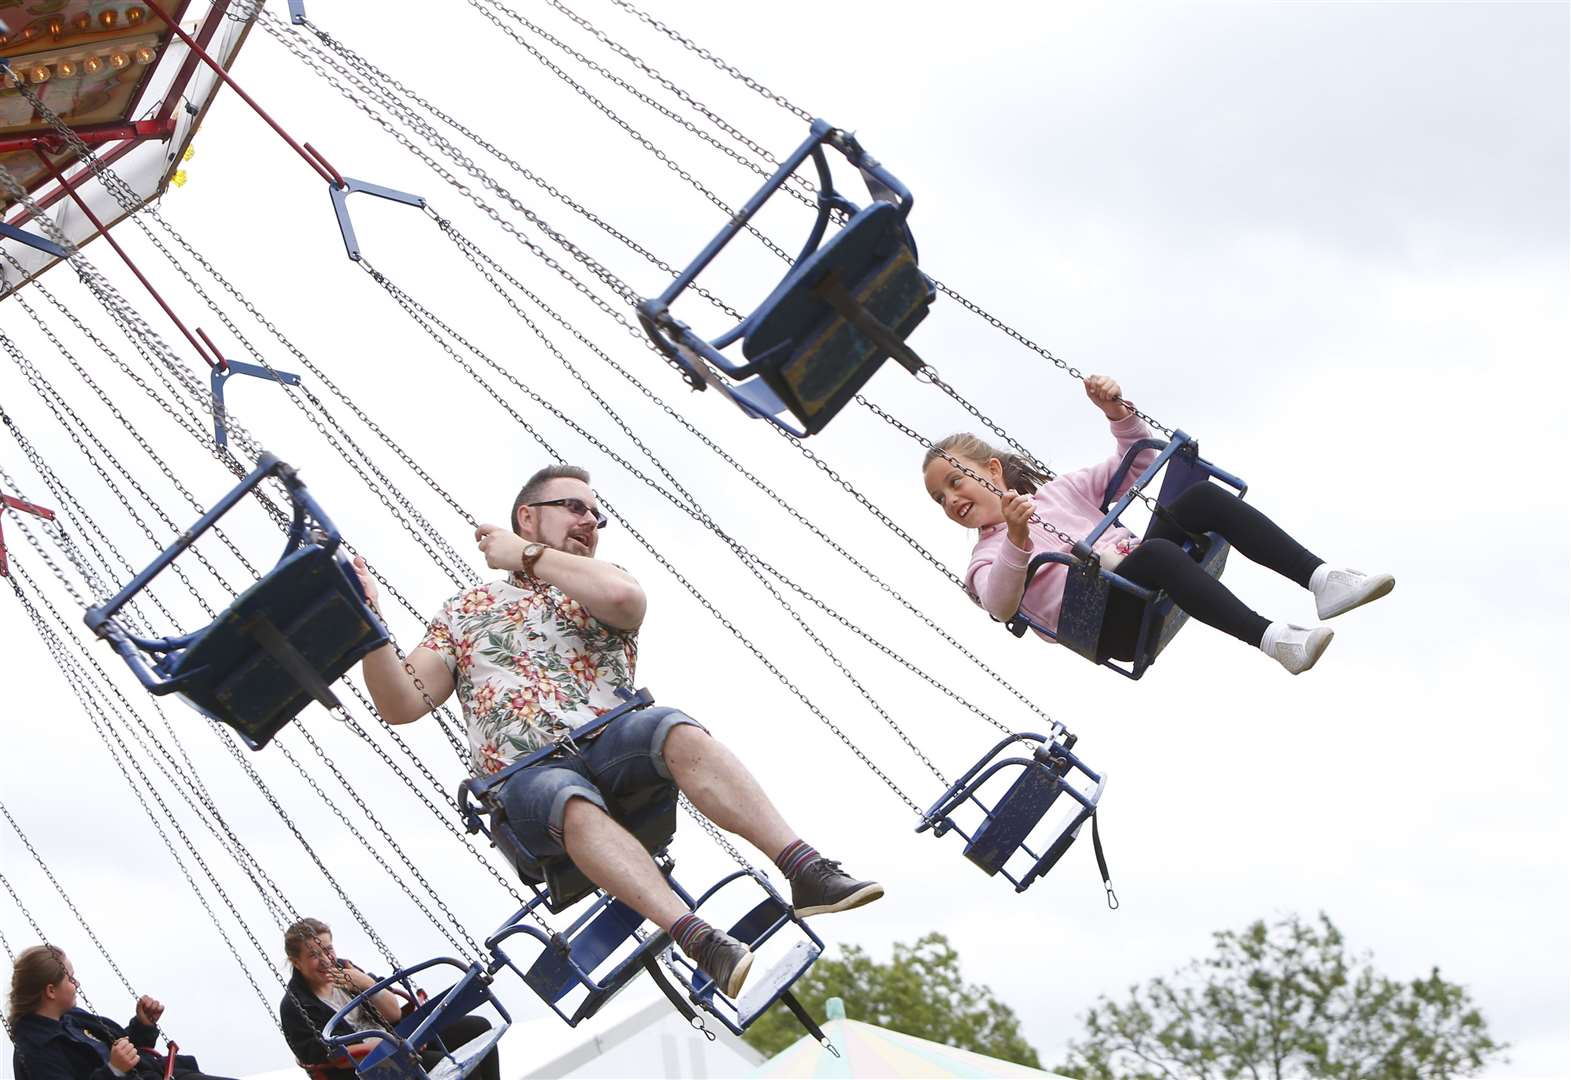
column 626, row 757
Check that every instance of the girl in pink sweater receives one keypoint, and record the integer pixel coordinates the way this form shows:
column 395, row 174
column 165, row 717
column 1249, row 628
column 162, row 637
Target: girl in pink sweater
column 996, row 578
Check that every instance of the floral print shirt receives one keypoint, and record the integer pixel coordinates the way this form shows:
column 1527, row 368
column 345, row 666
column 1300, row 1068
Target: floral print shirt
column 529, row 665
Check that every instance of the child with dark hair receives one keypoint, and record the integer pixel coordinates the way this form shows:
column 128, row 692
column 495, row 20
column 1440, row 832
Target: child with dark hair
column 996, row 577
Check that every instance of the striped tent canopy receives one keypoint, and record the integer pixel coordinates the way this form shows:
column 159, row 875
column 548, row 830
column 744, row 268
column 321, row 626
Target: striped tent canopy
column 867, row 1050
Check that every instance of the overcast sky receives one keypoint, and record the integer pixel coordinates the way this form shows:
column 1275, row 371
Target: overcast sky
column 1328, row 239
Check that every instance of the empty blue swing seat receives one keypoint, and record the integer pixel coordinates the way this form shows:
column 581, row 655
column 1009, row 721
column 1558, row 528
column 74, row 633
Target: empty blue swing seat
column 763, row 921
column 1087, row 586
column 279, row 645
column 395, row 1054
column 1007, row 823
column 847, row 304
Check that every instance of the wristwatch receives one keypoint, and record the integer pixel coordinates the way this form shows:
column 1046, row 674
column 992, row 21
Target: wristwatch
column 532, row 553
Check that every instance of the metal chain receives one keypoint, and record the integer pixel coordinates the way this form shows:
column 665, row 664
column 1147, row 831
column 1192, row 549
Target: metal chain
column 399, row 505
column 108, row 401
column 687, row 98
column 378, row 83
column 61, row 622
column 42, row 937
column 779, row 99
column 233, row 847
column 65, row 504
column 473, row 252
column 688, row 502
column 60, row 889
column 272, row 896
column 446, row 175
column 66, row 667
column 632, row 133
column 341, row 716
column 56, row 403
column 698, row 50
column 426, row 320
column 907, row 430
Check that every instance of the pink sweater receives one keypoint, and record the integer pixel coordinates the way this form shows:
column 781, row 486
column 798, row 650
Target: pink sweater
column 996, row 576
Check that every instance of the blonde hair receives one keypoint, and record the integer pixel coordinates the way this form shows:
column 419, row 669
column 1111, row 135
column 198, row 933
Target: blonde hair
column 1019, row 473
column 35, row 970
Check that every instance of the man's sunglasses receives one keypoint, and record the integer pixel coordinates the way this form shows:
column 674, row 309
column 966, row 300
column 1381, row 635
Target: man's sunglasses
column 576, row 507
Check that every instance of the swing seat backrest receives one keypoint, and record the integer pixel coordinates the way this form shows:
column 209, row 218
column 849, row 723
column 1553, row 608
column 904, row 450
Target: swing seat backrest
column 758, row 925
column 1015, row 814
column 808, row 353
column 554, row 974
column 460, row 999
column 233, row 672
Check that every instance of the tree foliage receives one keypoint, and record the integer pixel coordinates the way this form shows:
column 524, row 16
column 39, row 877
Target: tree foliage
column 920, row 992
column 1284, row 1001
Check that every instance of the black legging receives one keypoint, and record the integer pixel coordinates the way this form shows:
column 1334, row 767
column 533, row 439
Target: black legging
column 1160, row 563
column 457, row 1033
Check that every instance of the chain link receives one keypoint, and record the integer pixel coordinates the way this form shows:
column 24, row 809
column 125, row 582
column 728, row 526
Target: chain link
column 906, row 429
column 698, row 50
column 473, row 252
column 430, row 323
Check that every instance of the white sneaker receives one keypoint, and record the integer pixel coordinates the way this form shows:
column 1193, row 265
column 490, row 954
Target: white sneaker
column 1296, row 648
column 1339, row 591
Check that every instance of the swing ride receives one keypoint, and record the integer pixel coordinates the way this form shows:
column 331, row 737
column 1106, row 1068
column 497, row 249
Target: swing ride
column 97, row 114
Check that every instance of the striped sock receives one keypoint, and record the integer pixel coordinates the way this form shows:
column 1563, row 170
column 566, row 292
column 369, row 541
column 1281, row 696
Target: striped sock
column 797, row 854
column 688, row 931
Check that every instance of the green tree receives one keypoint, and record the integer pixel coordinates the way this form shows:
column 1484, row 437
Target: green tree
column 920, row 992
column 1284, row 1001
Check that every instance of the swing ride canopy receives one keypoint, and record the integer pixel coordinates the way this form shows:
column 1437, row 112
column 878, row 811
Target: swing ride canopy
column 119, row 76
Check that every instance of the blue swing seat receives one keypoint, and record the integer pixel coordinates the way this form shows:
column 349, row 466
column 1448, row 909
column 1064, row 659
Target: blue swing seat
column 579, row 969
column 279, row 645
column 1008, row 822
column 1088, row 586
column 847, row 304
column 763, row 921
column 395, row 1055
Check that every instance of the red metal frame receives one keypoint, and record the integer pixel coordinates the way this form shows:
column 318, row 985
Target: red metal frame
column 159, row 129
column 81, row 204
column 313, row 159
column 25, row 507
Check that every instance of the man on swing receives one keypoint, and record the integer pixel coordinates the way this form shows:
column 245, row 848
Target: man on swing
column 544, row 651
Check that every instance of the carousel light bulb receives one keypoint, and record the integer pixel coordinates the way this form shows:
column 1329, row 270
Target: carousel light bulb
column 135, row 15
column 56, row 25
column 83, row 21
column 39, row 74
column 29, row 32
column 108, row 17
column 119, row 61
column 92, row 65
column 144, row 54
column 65, row 69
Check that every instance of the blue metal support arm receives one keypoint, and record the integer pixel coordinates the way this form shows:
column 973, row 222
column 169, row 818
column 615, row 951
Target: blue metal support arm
column 340, row 197
column 22, row 236
column 220, row 375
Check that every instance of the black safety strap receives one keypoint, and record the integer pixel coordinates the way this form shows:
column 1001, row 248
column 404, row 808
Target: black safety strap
column 288, row 657
column 1101, row 864
column 835, row 295
column 678, row 1002
column 805, row 1018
